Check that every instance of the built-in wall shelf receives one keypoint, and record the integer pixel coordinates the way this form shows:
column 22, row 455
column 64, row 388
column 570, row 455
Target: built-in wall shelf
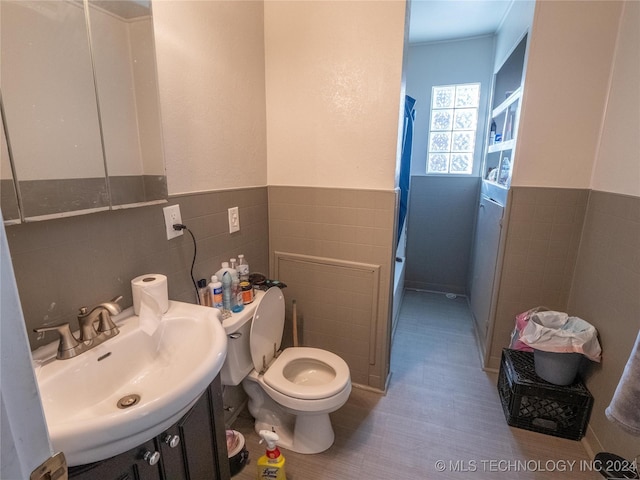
column 505, row 118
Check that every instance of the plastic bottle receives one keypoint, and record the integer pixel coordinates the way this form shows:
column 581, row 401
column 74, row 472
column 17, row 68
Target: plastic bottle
column 243, row 268
column 237, row 303
column 225, row 268
column 492, row 135
column 233, row 263
column 271, row 464
column 203, row 293
column 215, row 292
column 226, row 291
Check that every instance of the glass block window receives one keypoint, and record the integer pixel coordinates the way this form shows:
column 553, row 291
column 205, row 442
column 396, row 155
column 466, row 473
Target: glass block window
column 452, row 130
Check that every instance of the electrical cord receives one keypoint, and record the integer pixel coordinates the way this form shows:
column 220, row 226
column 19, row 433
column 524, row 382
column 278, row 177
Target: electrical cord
column 179, row 227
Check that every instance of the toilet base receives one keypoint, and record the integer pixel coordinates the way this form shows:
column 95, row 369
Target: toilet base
column 300, row 432
column 310, row 433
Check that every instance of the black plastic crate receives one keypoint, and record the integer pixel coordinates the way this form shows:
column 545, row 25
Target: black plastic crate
column 532, row 403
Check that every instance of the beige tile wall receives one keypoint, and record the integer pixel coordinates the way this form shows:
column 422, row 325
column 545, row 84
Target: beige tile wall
column 328, row 291
column 544, row 226
column 347, row 225
column 606, row 293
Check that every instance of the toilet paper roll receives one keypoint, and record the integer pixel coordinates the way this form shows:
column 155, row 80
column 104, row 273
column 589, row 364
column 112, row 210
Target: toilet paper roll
column 150, row 287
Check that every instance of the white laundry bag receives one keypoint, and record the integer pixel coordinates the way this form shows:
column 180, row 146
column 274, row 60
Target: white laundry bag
column 557, row 332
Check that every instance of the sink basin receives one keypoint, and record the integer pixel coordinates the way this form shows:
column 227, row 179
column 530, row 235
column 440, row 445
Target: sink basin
column 168, row 370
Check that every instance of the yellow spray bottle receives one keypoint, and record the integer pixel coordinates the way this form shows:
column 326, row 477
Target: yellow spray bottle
column 271, row 464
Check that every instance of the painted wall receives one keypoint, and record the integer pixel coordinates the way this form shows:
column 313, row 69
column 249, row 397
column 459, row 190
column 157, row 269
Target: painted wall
column 445, row 63
column 617, row 168
column 333, row 81
column 515, row 24
column 566, row 86
column 579, row 130
column 607, row 278
column 442, row 208
column 211, row 80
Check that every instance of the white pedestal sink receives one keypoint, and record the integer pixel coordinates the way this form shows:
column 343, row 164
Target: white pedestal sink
column 168, row 370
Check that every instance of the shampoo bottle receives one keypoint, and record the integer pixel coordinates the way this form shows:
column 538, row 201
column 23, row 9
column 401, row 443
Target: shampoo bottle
column 215, row 292
column 271, row 464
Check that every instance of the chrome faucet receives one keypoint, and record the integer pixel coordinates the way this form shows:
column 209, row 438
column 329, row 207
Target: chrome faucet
column 69, row 346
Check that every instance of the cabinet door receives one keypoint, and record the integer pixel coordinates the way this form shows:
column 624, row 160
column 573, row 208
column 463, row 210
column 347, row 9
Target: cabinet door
column 126, row 466
column 173, row 457
column 485, row 257
column 203, row 437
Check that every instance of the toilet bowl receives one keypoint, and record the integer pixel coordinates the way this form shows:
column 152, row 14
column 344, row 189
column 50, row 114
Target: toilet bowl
column 291, row 391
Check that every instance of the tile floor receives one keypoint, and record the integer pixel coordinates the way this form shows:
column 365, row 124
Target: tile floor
column 441, row 417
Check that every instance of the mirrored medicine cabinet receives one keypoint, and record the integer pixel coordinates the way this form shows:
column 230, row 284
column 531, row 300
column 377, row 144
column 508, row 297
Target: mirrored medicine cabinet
column 80, row 108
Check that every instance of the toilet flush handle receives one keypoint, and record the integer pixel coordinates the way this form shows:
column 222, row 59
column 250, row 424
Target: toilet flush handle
column 235, row 335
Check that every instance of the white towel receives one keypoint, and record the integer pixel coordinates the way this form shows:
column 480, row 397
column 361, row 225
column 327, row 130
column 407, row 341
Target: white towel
column 624, row 409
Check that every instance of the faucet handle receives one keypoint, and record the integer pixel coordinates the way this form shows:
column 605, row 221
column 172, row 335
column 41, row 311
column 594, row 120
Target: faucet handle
column 68, row 346
column 106, row 324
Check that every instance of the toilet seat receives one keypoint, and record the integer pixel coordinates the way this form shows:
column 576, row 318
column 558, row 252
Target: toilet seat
column 302, row 373
column 307, row 373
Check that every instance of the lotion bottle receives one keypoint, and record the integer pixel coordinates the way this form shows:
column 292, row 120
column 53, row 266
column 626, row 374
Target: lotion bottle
column 271, row 464
column 215, row 293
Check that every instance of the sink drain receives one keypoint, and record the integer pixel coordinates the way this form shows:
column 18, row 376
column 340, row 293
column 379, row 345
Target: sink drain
column 128, row 401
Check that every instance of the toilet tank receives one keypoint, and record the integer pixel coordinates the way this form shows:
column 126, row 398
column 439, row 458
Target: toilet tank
column 238, row 363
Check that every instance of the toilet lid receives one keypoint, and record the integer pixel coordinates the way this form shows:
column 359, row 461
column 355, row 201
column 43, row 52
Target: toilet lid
column 267, row 328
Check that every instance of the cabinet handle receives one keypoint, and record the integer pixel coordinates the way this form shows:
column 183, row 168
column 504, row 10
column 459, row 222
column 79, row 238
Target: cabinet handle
column 172, row 440
column 151, row 457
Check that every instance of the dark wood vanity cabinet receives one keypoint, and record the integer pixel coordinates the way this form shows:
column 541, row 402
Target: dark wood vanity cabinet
column 199, row 454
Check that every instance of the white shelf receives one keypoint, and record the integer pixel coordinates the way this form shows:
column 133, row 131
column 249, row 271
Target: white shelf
column 504, row 105
column 501, row 146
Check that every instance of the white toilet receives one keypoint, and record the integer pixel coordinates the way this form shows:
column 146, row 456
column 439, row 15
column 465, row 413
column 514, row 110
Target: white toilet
column 292, row 391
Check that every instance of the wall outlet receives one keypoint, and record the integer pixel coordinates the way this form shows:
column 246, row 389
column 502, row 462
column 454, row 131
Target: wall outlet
column 234, row 220
column 171, row 217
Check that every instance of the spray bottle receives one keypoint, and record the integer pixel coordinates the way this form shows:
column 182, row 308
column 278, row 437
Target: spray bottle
column 271, row 464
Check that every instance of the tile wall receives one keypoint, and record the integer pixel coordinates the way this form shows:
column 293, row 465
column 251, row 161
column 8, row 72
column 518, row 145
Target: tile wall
column 345, row 225
column 441, row 219
column 606, row 293
column 61, row 265
column 544, row 228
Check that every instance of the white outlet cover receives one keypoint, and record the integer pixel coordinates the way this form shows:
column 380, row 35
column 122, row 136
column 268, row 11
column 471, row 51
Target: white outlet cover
column 171, row 217
column 234, row 220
